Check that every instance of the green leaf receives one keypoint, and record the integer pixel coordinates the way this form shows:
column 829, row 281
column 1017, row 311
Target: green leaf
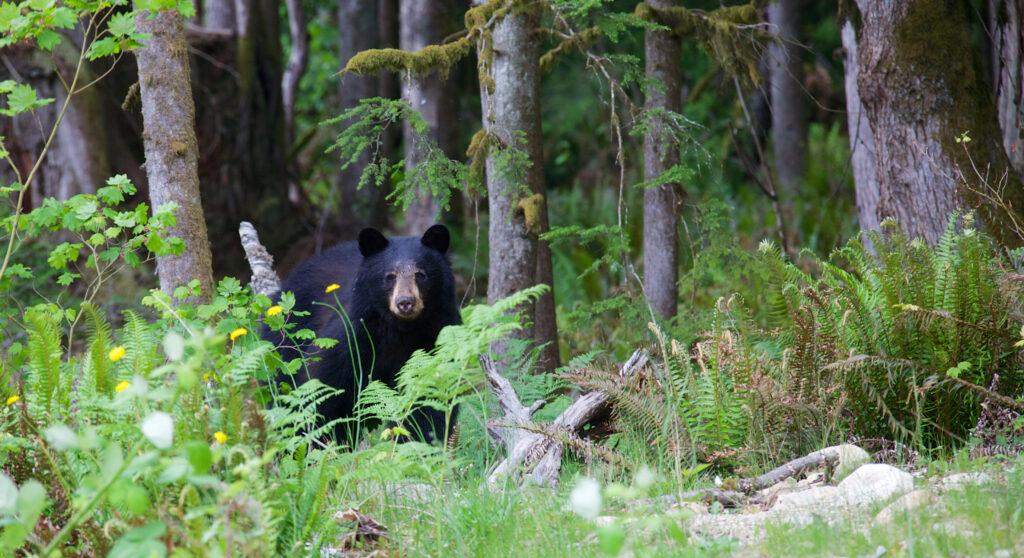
column 111, row 461
column 66, row 278
column 22, row 99
column 48, row 39
column 121, row 24
column 61, row 437
column 141, row 542
column 31, row 502
column 200, row 456
column 96, row 239
column 8, row 495
column 107, row 46
column 40, row 5
column 64, row 17
column 8, row 11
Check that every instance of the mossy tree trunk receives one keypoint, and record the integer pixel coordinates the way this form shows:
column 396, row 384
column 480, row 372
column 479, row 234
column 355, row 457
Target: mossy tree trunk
column 661, row 204
column 510, row 95
column 789, row 113
column 427, row 22
column 862, row 140
column 1005, row 17
column 172, row 152
column 921, row 90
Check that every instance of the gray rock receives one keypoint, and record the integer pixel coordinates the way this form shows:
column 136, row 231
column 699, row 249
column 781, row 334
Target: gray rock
column 875, row 483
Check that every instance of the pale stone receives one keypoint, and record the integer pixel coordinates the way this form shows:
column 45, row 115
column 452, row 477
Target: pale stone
column 905, row 504
column 851, row 457
column 875, row 483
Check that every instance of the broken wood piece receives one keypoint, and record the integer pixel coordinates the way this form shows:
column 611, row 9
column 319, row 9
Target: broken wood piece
column 264, row 280
column 536, row 455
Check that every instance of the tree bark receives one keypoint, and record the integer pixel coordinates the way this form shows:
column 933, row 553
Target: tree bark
column 172, row 153
column 427, row 22
column 921, row 91
column 862, row 140
column 297, row 60
column 662, row 52
column 1005, row 17
column 789, row 114
column 358, row 30
column 219, row 14
column 518, row 209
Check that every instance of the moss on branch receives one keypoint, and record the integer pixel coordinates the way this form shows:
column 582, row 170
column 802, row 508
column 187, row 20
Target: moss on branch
column 724, row 33
column 421, row 62
column 580, row 41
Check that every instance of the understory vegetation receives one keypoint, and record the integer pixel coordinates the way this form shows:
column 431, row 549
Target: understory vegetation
column 134, row 422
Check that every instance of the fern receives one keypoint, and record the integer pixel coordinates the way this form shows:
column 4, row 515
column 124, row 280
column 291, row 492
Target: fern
column 44, row 356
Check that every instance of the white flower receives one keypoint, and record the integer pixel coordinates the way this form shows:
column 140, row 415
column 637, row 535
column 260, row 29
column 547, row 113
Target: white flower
column 159, row 429
column 585, row 499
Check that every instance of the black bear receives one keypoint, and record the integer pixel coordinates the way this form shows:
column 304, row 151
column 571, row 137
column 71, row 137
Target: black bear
column 397, row 293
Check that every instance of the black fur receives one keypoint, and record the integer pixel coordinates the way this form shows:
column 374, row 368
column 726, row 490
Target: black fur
column 384, row 341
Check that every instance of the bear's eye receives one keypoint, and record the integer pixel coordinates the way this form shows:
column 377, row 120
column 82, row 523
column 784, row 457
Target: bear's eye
column 420, row 276
column 390, row 277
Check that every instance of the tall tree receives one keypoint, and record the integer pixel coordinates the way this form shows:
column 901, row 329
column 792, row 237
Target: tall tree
column 517, row 204
column 662, row 52
column 862, row 139
column 427, row 22
column 1005, row 18
column 789, row 114
column 920, row 90
column 358, row 30
column 172, row 153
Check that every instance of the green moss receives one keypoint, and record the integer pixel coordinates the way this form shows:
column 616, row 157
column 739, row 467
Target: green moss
column 532, row 208
column 933, row 76
column 421, row 62
column 718, row 32
column 581, row 41
column 479, row 147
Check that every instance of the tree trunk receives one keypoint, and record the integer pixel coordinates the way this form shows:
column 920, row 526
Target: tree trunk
column 661, row 228
column 219, row 14
column 427, row 22
column 921, row 91
column 1005, row 18
column 789, row 115
column 862, row 140
column 357, row 31
column 511, row 105
column 240, row 127
column 297, row 60
column 172, row 153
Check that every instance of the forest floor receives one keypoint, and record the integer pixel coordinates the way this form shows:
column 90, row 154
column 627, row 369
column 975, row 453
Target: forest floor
column 943, row 508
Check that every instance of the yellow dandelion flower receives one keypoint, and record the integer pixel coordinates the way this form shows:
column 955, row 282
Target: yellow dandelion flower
column 238, row 333
column 12, row 400
column 117, row 353
column 332, row 287
column 273, row 311
column 122, row 386
column 220, row 437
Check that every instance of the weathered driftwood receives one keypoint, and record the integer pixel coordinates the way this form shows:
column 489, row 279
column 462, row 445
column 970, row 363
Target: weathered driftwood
column 264, row 280
column 798, row 466
column 532, row 455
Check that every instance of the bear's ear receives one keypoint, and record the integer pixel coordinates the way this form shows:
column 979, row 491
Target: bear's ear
column 437, row 238
column 371, row 242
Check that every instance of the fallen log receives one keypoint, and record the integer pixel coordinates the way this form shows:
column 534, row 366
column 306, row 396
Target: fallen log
column 534, row 455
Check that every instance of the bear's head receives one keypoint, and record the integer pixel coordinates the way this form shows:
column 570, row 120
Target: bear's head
column 405, row 276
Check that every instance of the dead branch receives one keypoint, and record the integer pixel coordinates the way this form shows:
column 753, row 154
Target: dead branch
column 535, row 455
column 264, row 281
